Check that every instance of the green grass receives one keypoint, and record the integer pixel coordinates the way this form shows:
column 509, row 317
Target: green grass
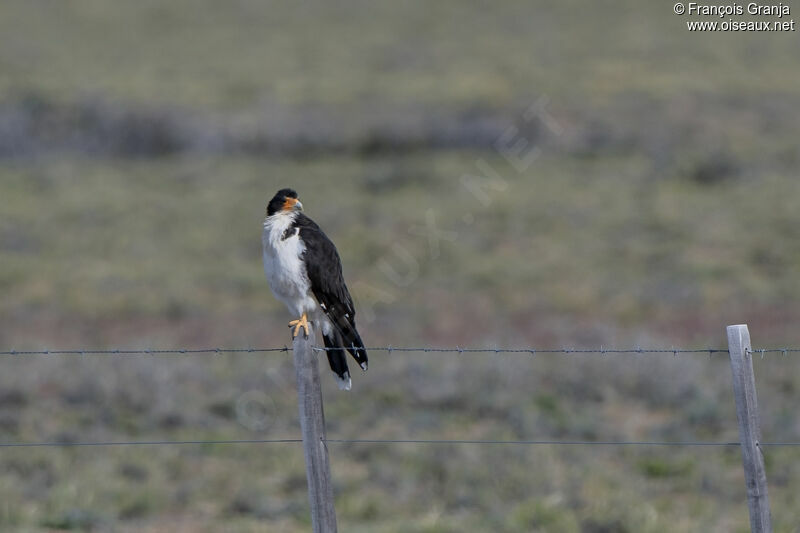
column 177, row 239
column 666, row 209
column 161, row 253
column 453, row 53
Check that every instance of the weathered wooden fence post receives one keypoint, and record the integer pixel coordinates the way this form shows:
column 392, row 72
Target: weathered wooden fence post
column 744, row 390
column 312, row 425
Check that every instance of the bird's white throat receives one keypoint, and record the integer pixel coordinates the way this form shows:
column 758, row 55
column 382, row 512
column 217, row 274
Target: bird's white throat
column 283, row 265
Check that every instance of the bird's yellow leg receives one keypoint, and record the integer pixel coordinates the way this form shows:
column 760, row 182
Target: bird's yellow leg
column 301, row 322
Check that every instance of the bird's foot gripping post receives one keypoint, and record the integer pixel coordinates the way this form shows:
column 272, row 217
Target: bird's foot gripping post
column 300, row 323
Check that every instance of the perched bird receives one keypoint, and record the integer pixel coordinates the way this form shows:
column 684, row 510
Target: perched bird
column 305, row 273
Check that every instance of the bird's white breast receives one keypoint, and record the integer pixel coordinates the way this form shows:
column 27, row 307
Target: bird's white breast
column 283, row 264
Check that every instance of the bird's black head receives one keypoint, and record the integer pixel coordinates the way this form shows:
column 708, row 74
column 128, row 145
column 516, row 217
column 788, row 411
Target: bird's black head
column 284, row 200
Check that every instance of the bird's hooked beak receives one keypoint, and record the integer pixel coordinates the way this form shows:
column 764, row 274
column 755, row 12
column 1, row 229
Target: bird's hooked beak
column 292, row 204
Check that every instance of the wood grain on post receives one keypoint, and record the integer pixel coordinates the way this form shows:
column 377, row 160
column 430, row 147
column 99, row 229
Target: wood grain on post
column 312, row 425
column 744, row 390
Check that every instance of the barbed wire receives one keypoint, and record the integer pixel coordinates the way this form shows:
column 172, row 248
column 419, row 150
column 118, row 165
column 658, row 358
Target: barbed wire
column 389, row 441
column 553, row 442
column 142, row 443
column 532, row 351
column 390, row 349
column 123, row 351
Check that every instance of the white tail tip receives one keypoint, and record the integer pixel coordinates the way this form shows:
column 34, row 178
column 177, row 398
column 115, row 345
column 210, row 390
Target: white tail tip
column 344, row 383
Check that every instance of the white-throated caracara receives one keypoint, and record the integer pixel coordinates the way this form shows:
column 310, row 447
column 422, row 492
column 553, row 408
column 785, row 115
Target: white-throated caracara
column 305, row 273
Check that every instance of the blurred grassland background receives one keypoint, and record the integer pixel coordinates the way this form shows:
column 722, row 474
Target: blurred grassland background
column 139, row 143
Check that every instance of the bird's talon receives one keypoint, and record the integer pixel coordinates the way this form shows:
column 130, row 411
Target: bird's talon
column 300, row 323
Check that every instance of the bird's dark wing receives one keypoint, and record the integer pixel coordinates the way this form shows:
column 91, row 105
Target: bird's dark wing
column 324, row 271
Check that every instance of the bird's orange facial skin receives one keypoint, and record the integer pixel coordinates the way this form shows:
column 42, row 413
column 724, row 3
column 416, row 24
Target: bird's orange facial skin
column 289, row 204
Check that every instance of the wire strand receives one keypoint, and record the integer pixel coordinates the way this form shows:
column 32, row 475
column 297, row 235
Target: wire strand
column 389, row 349
column 143, row 443
column 389, row 441
column 181, row 351
column 532, row 351
column 528, row 442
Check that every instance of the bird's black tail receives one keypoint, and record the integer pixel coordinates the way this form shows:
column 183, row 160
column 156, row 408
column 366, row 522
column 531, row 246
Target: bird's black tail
column 345, row 337
column 337, row 360
column 352, row 341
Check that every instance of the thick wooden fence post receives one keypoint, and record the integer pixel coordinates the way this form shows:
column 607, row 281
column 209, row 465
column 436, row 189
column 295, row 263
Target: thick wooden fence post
column 312, row 425
column 744, row 389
